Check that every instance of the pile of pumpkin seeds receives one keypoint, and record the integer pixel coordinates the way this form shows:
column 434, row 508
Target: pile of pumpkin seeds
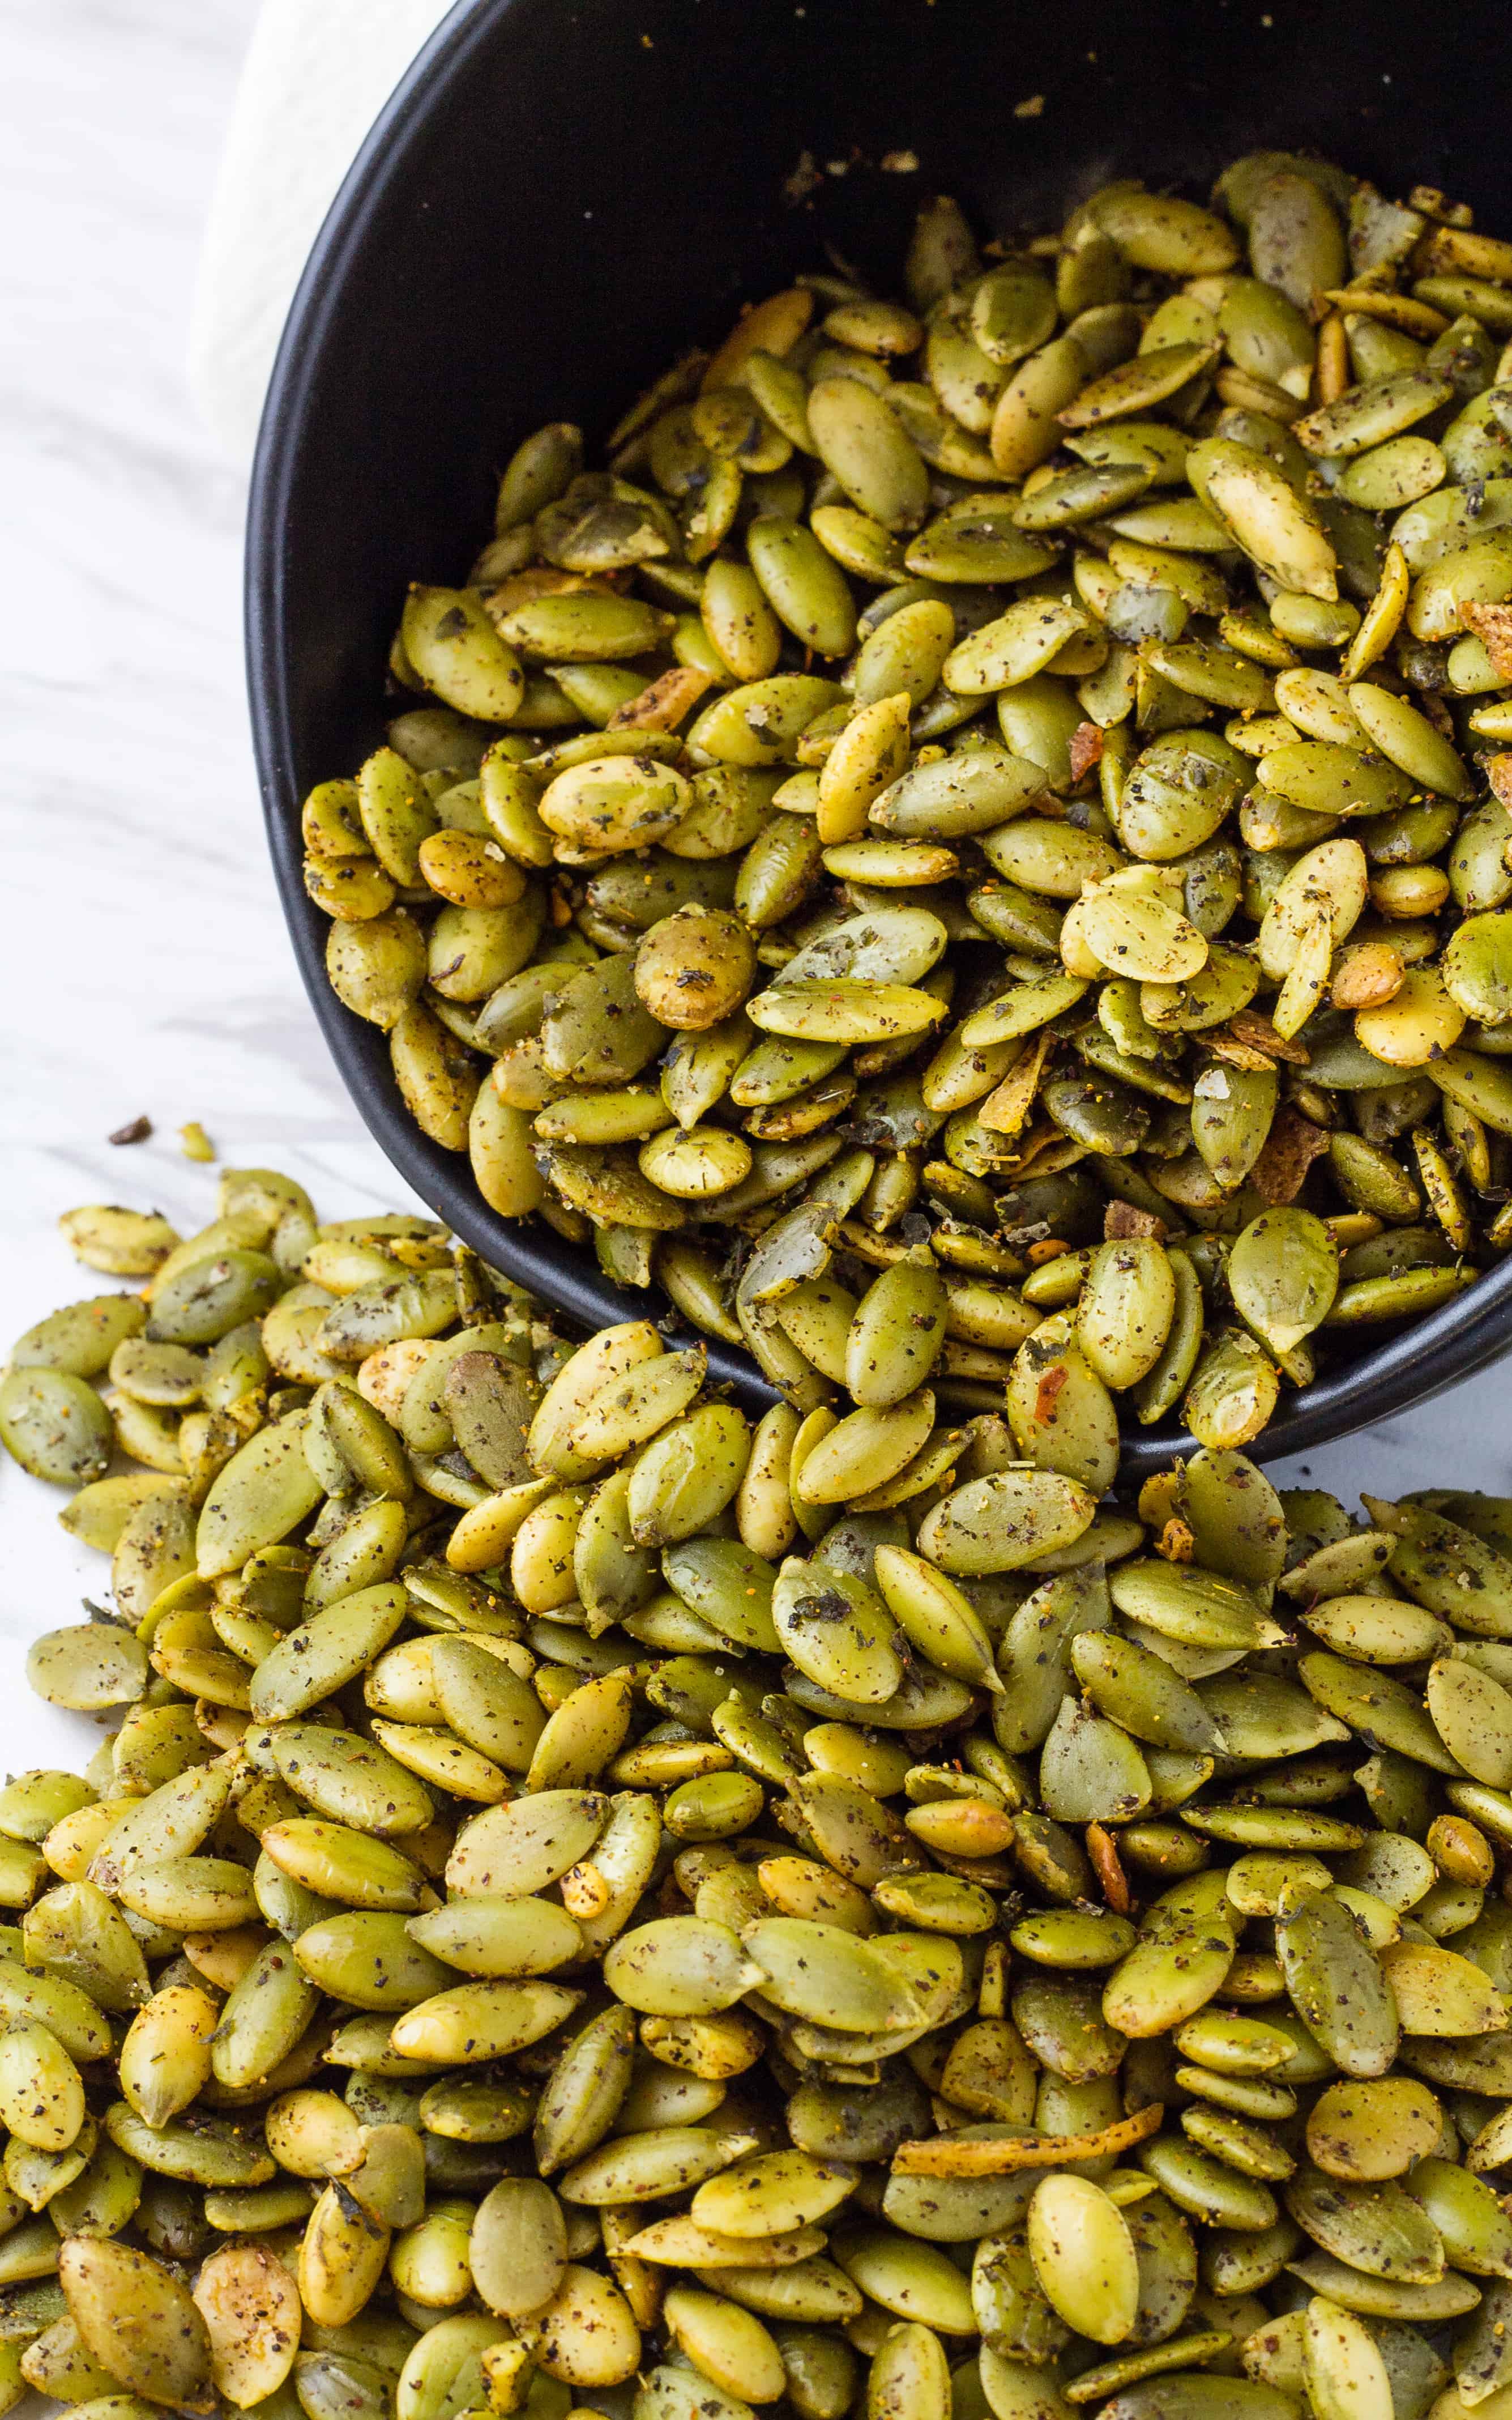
column 1015, row 766
column 575, row 1915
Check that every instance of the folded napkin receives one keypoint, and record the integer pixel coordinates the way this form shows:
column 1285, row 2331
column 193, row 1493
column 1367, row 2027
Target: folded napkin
column 317, row 74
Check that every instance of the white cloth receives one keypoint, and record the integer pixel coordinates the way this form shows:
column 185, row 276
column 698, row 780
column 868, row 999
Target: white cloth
column 316, row 75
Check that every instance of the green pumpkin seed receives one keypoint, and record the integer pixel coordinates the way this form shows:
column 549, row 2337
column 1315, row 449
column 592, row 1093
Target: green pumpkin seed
column 54, row 1424
column 1376, row 2227
column 1004, row 1521
column 138, row 2322
column 1267, row 518
column 1185, row 1948
column 1336, row 1986
column 1083, row 2257
column 867, row 451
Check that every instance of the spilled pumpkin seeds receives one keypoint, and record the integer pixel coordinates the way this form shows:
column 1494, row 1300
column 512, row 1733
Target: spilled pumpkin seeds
column 988, row 776
column 587, row 1905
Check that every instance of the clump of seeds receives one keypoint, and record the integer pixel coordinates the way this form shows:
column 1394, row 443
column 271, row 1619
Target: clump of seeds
column 587, row 1904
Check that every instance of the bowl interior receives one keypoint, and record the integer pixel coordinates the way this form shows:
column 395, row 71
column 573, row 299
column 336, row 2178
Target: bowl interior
column 559, row 197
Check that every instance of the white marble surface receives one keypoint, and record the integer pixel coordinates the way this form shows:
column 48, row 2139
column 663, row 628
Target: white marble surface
column 145, row 965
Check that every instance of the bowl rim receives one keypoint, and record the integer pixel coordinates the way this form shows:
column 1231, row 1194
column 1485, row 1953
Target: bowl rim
column 1421, row 1360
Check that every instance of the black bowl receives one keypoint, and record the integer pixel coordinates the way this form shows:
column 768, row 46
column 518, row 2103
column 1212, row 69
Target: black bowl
column 562, row 193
